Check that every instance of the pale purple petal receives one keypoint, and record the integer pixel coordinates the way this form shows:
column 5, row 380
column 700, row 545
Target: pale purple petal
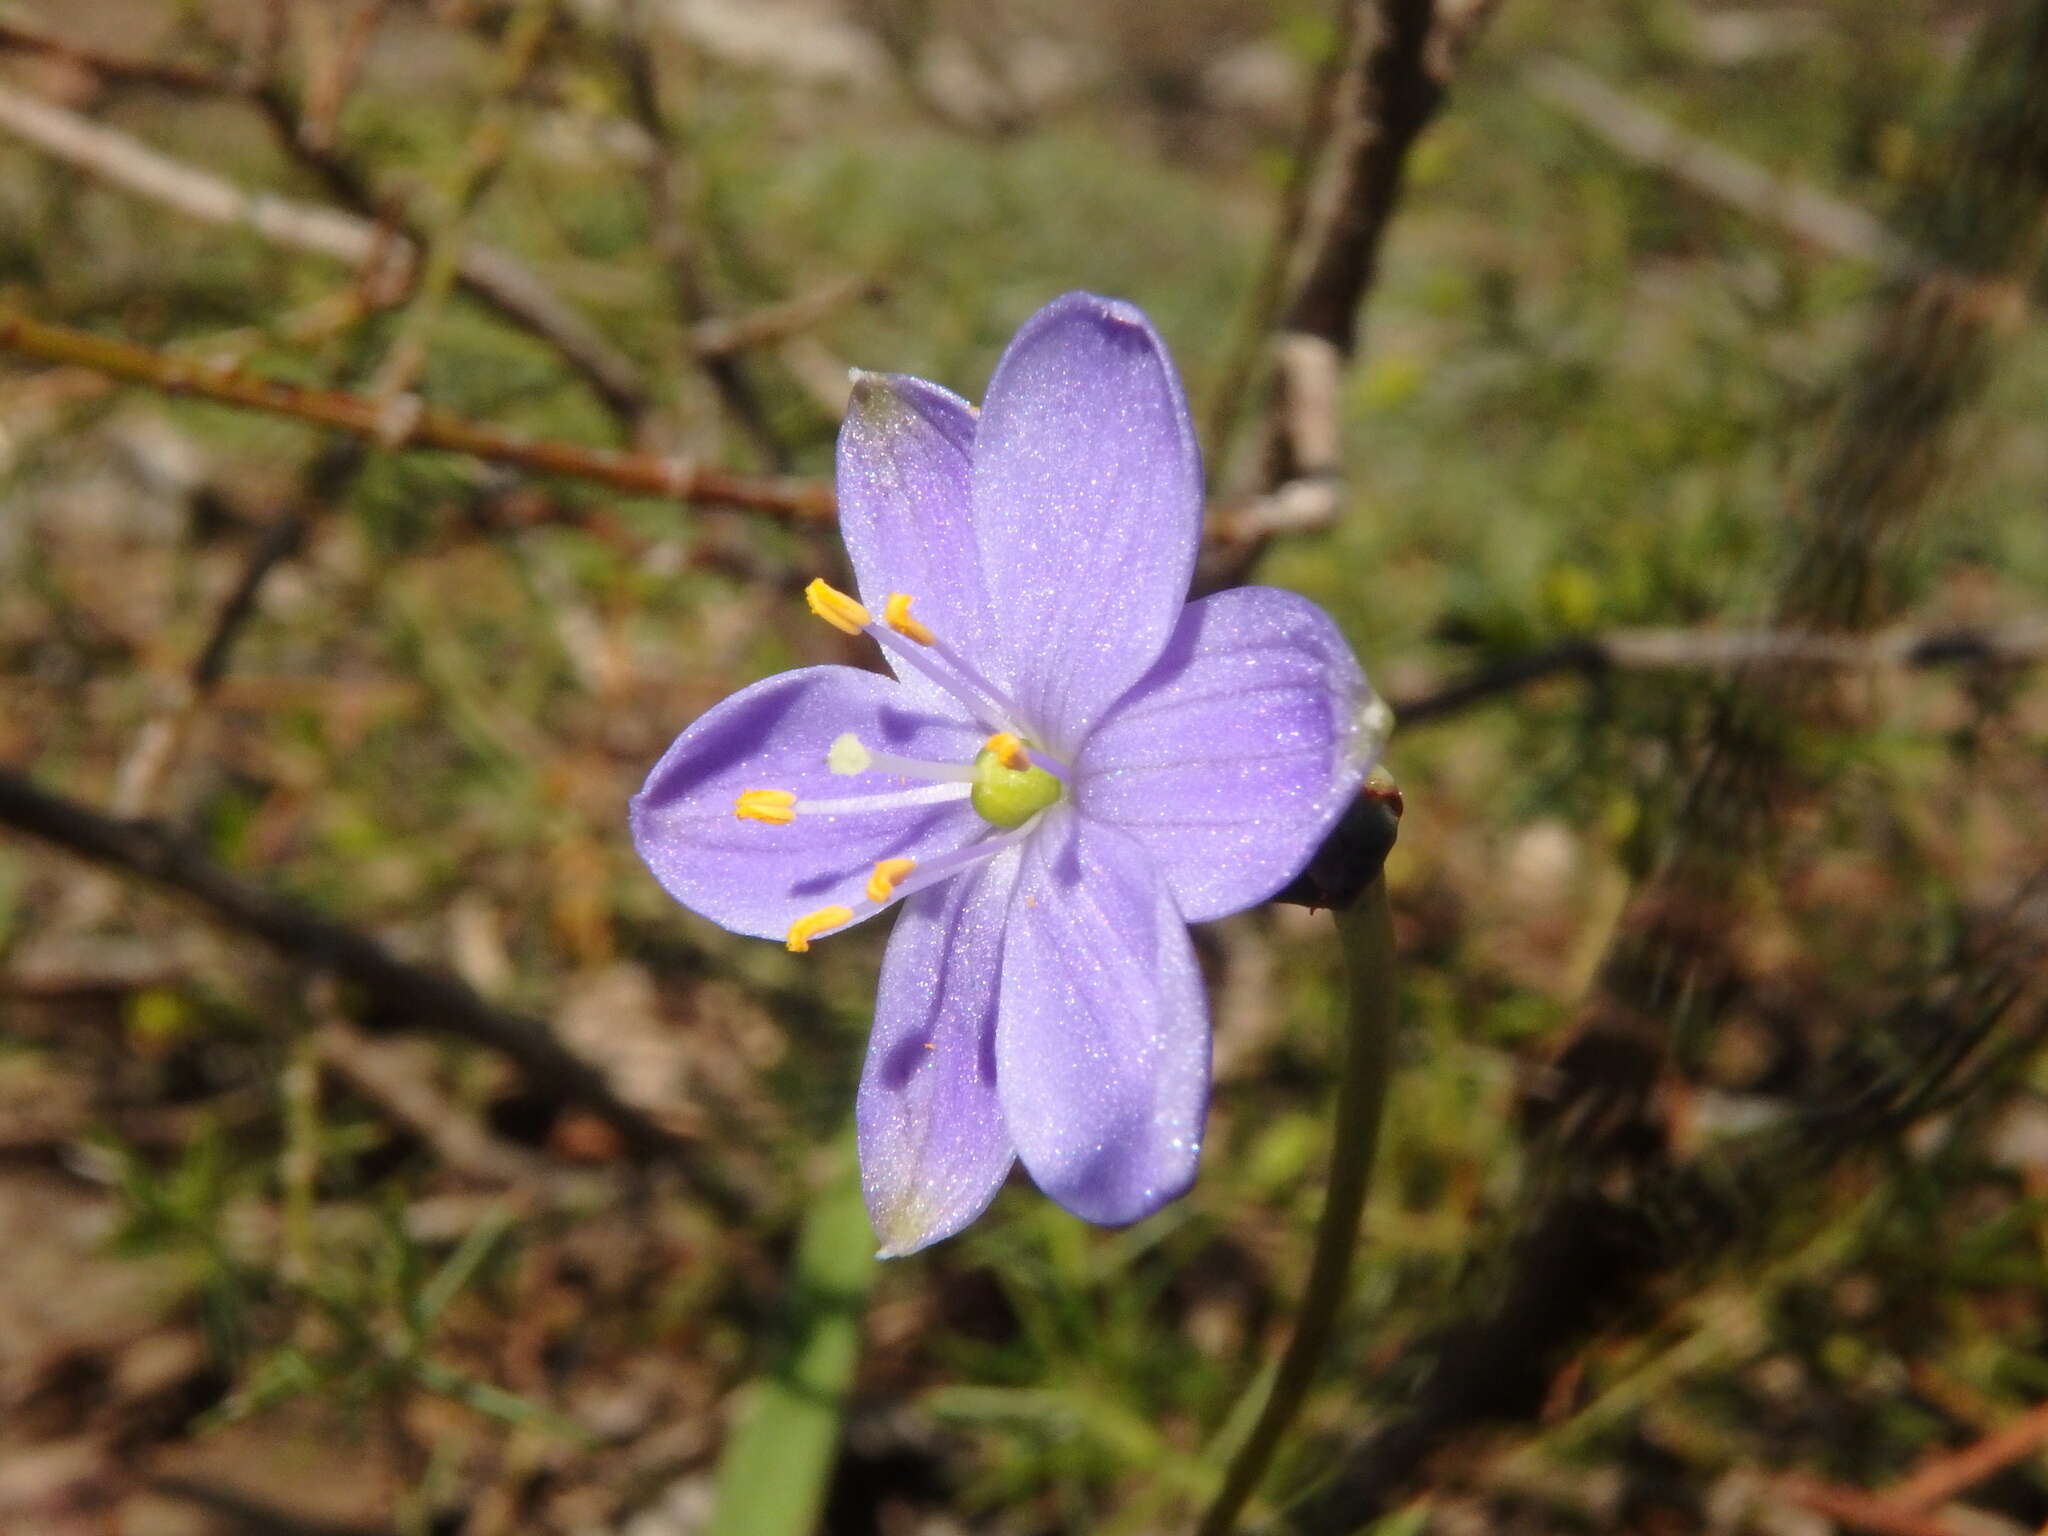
column 905, row 462
column 1102, row 1034
column 758, row 879
column 1087, row 508
column 933, row 1146
column 1238, row 751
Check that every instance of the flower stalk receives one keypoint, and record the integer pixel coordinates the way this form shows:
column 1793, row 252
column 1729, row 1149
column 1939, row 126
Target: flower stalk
column 1365, row 935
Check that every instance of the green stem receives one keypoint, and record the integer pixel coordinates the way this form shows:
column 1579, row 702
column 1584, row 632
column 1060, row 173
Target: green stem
column 1365, row 932
column 778, row 1461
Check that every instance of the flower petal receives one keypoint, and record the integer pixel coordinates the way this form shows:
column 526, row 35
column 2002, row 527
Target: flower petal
column 1102, row 1035
column 1238, row 751
column 758, row 879
column 933, row 1146
column 904, row 465
column 1087, row 508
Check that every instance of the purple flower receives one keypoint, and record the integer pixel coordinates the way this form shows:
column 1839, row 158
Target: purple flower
column 1071, row 763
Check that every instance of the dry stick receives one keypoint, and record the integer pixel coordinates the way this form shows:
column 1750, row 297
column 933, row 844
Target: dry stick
column 669, row 197
column 18, row 36
column 1587, row 1250
column 1650, row 139
column 332, row 74
column 2021, row 644
column 408, row 423
column 1398, row 59
column 398, row 994
column 476, row 170
column 338, row 466
column 384, row 258
column 1944, row 1476
column 1269, row 287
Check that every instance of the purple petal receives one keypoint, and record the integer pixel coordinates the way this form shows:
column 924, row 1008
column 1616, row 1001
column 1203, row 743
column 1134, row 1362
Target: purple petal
column 905, row 461
column 1102, row 1036
column 1238, row 751
column 1087, row 508
column 933, row 1147
column 758, row 879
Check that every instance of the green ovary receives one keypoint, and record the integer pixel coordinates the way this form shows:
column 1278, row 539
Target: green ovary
column 1009, row 797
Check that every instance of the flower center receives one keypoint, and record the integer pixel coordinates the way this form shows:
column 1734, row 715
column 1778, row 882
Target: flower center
column 1009, row 789
column 1008, row 783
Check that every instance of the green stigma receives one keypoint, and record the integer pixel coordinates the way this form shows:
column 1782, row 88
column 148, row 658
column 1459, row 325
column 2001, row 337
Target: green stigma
column 1009, row 797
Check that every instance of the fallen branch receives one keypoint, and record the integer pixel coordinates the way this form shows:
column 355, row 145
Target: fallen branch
column 407, row 422
column 1646, row 650
column 397, row 994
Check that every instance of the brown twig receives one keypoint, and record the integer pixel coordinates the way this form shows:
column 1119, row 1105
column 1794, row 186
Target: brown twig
column 1728, row 650
column 476, row 169
column 407, row 422
column 1879, row 1514
column 397, row 994
column 1590, row 1249
column 382, row 258
column 1650, row 139
column 383, row 1072
column 1398, row 58
column 332, row 75
column 727, row 334
column 670, row 197
column 1942, row 1477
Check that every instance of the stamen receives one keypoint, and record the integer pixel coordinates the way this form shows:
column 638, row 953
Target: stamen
column 924, row 794
column 1008, row 751
column 777, row 807
column 811, row 924
column 847, row 756
column 836, row 608
column 889, row 873
column 896, row 614
column 956, row 679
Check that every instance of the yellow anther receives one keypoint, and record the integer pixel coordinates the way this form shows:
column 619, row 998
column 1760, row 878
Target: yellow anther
column 889, row 874
column 777, row 807
column 896, row 614
column 811, row 924
column 1008, row 750
column 835, row 607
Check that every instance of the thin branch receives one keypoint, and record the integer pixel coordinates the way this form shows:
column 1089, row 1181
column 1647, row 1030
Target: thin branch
column 398, row 994
column 335, row 67
column 727, row 334
column 1645, row 650
column 407, row 422
column 669, row 197
column 1650, row 139
column 1587, row 1248
column 1949, row 1473
column 383, row 257
column 1398, row 58
column 17, row 36
column 476, row 170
